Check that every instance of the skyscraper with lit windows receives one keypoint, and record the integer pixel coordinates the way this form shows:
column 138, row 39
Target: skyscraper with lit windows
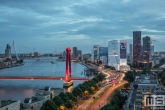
column 136, row 46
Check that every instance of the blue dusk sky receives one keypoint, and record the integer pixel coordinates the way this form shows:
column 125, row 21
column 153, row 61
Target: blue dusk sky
column 49, row 25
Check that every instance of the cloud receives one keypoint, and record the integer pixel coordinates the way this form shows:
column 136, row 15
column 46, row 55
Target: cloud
column 59, row 23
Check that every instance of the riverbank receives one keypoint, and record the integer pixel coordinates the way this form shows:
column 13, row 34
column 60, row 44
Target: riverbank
column 13, row 65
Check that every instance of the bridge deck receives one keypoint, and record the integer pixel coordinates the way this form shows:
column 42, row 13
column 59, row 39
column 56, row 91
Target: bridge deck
column 38, row 78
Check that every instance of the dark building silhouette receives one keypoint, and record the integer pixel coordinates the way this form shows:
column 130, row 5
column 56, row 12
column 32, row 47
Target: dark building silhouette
column 147, row 44
column 145, row 55
column 136, row 46
column 103, row 51
column 75, row 52
column 79, row 54
column 8, row 52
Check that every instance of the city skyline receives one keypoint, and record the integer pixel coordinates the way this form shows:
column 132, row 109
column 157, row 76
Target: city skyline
column 47, row 26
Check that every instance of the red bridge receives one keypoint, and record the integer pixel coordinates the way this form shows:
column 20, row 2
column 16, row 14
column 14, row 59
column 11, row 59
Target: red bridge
column 39, row 78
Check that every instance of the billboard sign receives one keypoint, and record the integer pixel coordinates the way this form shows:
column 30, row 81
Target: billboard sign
column 123, row 49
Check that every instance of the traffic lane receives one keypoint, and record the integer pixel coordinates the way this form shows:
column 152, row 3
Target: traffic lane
column 102, row 101
column 86, row 104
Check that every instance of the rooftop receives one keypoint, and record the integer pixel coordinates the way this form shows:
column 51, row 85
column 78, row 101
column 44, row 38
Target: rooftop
column 146, row 79
column 6, row 102
column 31, row 100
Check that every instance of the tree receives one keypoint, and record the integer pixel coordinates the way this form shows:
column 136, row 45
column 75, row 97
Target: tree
column 71, row 97
column 83, row 88
column 96, row 80
column 146, row 71
column 126, row 85
column 66, row 100
column 163, row 83
column 49, row 105
column 163, row 78
column 160, row 74
column 100, row 77
column 110, row 107
column 64, row 97
column 129, row 76
column 58, row 101
column 93, row 83
column 77, row 91
column 68, row 104
column 86, row 84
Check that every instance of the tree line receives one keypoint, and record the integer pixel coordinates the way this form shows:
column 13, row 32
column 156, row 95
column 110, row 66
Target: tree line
column 130, row 75
column 67, row 100
column 161, row 77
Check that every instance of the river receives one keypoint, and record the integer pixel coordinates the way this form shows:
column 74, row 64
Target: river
column 19, row 89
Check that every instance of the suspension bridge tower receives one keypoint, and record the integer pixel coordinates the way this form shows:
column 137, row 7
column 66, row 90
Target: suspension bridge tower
column 68, row 70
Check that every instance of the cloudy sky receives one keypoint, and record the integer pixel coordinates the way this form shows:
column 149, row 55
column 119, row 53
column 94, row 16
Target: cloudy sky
column 49, row 25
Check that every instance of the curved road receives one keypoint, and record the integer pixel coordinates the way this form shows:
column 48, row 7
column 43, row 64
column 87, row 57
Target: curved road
column 102, row 101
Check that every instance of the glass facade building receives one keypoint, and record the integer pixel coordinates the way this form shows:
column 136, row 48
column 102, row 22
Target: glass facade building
column 136, row 46
column 117, row 54
column 113, row 54
column 103, row 51
column 95, row 52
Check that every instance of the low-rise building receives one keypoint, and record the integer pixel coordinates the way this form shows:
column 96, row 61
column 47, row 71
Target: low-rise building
column 86, row 56
column 142, row 86
column 35, row 103
column 9, row 105
column 42, row 95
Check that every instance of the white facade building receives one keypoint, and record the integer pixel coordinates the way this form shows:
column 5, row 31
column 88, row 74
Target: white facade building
column 42, row 95
column 113, row 54
column 117, row 54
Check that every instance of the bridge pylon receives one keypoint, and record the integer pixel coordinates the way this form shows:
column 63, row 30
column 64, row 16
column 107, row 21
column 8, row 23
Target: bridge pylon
column 68, row 64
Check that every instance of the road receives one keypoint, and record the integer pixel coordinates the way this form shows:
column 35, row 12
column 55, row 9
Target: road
column 102, row 101
column 116, row 84
column 87, row 103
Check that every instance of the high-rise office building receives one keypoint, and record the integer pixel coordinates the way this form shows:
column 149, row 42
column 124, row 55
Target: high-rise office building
column 104, row 60
column 147, row 47
column 130, row 53
column 8, row 52
column 152, row 49
column 146, row 44
column 113, row 54
column 95, row 53
column 117, row 54
column 103, row 51
column 79, row 54
column 75, row 52
column 136, row 46
column 145, row 56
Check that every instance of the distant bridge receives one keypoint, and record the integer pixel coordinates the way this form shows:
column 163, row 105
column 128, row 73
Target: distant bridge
column 40, row 78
